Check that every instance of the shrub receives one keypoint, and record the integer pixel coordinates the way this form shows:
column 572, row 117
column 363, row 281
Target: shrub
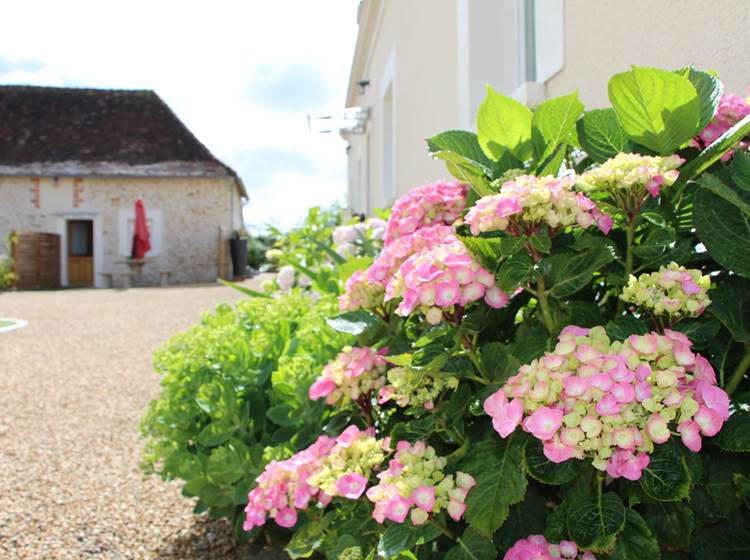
column 554, row 366
column 7, row 276
column 234, row 396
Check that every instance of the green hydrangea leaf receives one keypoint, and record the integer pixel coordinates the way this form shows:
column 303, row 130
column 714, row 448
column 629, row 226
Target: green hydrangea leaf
column 635, row 540
column 554, row 121
column 526, row 518
column 504, row 125
column 724, row 229
column 594, row 521
column 666, row 478
column 461, row 142
column 544, row 470
column 472, row 546
column 725, row 541
column 730, row 304
column 658, row 109
column 671, row 522
column 735, row 434
column 496, row 464
column 602, row 135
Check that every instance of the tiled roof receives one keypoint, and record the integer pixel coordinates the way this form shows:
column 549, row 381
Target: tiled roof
column 71, row 131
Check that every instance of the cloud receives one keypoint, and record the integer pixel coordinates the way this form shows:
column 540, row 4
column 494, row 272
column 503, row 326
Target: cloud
column 284, row 200
column 258, row 167
column 296, row 87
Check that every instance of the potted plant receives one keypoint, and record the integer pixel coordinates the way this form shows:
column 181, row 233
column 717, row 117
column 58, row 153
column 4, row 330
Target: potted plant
column 238, row 252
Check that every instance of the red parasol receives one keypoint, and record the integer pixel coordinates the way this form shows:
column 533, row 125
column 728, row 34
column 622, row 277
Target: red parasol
column 141, row 244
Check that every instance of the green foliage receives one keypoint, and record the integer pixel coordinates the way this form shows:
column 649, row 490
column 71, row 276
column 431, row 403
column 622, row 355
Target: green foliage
column 7, row 276
column 234, row 394
column 658, row 109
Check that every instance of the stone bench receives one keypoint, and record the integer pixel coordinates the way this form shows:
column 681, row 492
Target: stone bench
column 107, row 276
column 127, row 279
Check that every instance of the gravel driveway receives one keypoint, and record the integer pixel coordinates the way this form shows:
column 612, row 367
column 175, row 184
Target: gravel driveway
column 74, row 384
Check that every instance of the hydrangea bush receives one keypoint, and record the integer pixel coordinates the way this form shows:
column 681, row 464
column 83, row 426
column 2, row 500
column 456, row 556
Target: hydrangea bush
column 551, row 355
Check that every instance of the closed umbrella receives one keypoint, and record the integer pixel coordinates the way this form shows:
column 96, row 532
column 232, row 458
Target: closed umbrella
column 141, row 243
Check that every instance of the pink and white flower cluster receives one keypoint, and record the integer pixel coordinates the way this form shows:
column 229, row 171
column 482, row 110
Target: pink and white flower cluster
column 355, row 372
column 631, row 178
column 347, row 468
column 438, row 279
column 612, row 401
column 527, row 202
column 432, row 204
column 361, row 293
column 417, row 388
column 673, row 291
column 397, row 251
column 415, row 486
column 346, row 237
column 731, row 110
column 536, row 547
column 282, row 489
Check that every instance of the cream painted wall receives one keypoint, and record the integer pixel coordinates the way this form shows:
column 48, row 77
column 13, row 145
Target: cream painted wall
column 187, row 214
column 415, row 47
column 440, row 65
column 607, row 36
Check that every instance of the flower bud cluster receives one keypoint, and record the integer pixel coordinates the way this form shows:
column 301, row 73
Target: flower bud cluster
column 536, row 547
column 731, row 110
column 361, row 293
column 416, row 486
column 527, row 201
column 346, row 469
column 612, row 401
column 427, row 205
column 673, row 291
column 355, row 372
column 417, row 388
column 631, row 178
column 283, row 487
column 438, row 279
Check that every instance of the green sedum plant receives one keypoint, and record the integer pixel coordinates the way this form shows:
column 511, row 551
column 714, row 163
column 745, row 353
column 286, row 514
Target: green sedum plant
column 548, row 358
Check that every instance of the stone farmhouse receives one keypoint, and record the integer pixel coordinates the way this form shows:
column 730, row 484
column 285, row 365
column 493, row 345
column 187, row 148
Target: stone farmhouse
column 73, row 162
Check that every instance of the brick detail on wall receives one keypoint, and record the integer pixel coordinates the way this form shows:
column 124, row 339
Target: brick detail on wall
column 77, row 192
column 36, row 192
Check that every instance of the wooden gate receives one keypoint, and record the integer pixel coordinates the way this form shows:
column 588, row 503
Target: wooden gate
column 36, row 259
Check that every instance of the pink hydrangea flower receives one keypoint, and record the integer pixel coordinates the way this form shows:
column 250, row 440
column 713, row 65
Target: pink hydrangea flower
column 441, row 278
column 415, row 485
column 361, row 293
column 536, row 547
column 354, row 373
column 526, row 202
column 612, row 401
column 351, row 485
column 427, row 205
column 731, row 110
column 283, row 487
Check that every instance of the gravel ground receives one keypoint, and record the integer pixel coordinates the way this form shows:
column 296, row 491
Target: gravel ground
column 74, row 384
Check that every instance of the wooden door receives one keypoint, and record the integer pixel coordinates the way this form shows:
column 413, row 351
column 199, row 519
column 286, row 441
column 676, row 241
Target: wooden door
column 80, row 252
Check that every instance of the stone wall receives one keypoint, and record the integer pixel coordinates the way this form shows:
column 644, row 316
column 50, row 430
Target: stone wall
column 187, row 216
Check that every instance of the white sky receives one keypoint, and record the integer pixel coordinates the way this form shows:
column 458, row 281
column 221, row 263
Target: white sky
column 241, row 74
